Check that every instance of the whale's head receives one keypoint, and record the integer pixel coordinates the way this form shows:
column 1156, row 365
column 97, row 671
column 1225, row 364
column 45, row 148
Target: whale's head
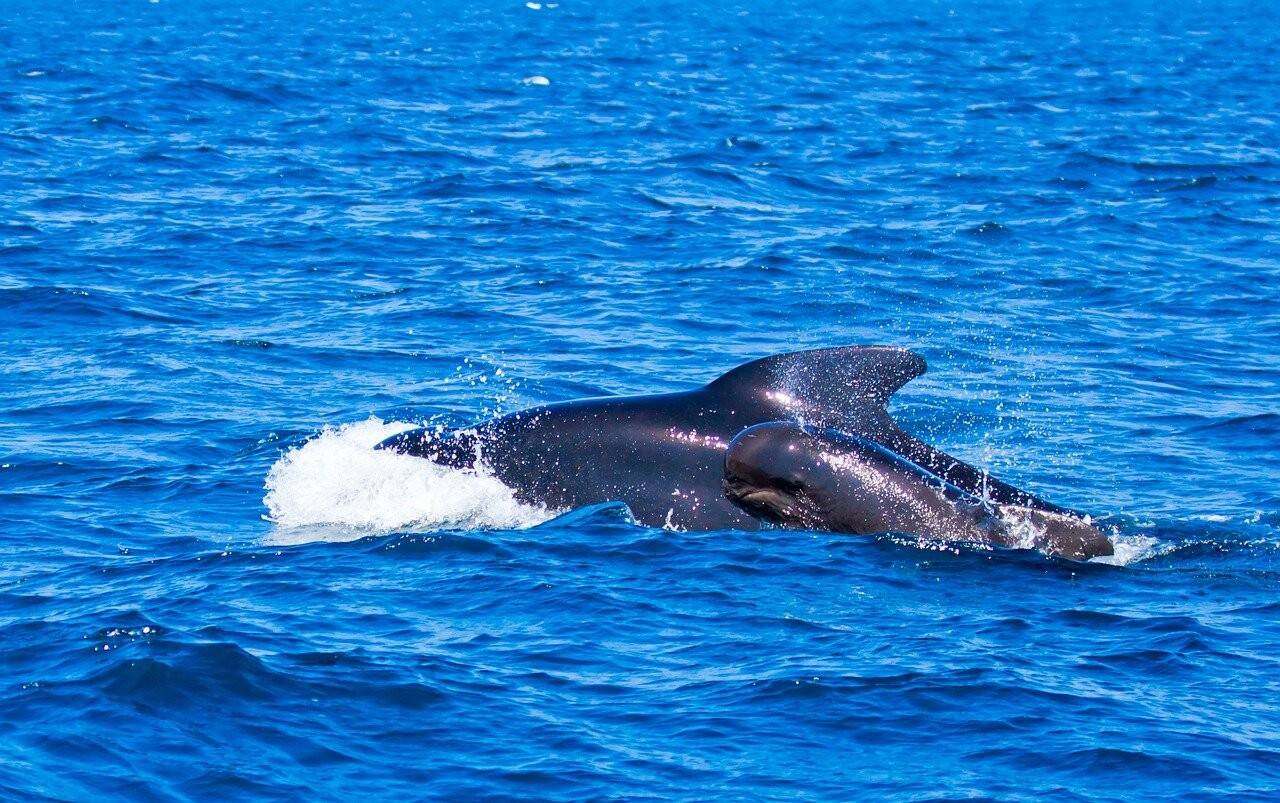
column 807, row 478
column 773, row 472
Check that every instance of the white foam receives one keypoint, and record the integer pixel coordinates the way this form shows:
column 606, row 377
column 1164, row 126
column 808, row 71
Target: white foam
column 1216, row 518
column 1132, row 548
column 1126, row 549
column 337, row 487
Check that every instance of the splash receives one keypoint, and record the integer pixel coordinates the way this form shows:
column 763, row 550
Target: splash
column 1131, row 549
column 1128, row 548
column 337, row 487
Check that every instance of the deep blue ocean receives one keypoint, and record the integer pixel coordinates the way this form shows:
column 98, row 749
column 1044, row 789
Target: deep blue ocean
column 241, row 242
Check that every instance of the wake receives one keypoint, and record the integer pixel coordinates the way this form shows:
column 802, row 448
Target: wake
column 337, row 487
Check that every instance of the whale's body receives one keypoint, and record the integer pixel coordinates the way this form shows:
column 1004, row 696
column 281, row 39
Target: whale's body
column 664, row 455
column 805, row 477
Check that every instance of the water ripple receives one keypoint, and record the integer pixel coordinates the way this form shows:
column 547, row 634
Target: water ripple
column 233, row 233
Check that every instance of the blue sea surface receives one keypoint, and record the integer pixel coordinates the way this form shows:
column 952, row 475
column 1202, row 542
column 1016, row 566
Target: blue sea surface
column 241, row 242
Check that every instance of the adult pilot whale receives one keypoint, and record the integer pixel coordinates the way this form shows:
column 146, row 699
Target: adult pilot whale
column 663, row 455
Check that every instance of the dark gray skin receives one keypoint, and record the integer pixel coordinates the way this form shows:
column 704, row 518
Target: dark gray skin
column 663, row 455
column 813, row 479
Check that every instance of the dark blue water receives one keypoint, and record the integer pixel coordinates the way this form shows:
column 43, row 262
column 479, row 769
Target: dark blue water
column 241, row 242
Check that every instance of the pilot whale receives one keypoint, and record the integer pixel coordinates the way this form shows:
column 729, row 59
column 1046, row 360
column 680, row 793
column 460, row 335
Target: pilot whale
column 804, row 477
column 664, row 454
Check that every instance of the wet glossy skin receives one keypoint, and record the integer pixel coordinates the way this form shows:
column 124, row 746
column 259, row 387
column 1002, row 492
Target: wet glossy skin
column 649, row 452
column 822, row 479
column 663, row 455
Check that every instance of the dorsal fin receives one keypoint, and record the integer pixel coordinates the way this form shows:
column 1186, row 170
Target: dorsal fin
column 844, row 387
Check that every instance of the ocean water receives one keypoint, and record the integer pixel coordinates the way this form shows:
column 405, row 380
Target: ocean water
column 241, row 242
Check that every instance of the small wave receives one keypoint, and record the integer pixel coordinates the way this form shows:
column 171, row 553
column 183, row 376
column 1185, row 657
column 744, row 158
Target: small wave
column 1265, row 425
column 989, row 229
column 337, row 487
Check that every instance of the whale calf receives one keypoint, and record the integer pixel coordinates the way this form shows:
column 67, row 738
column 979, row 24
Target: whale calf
column 664, row 455
column 804, row 477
